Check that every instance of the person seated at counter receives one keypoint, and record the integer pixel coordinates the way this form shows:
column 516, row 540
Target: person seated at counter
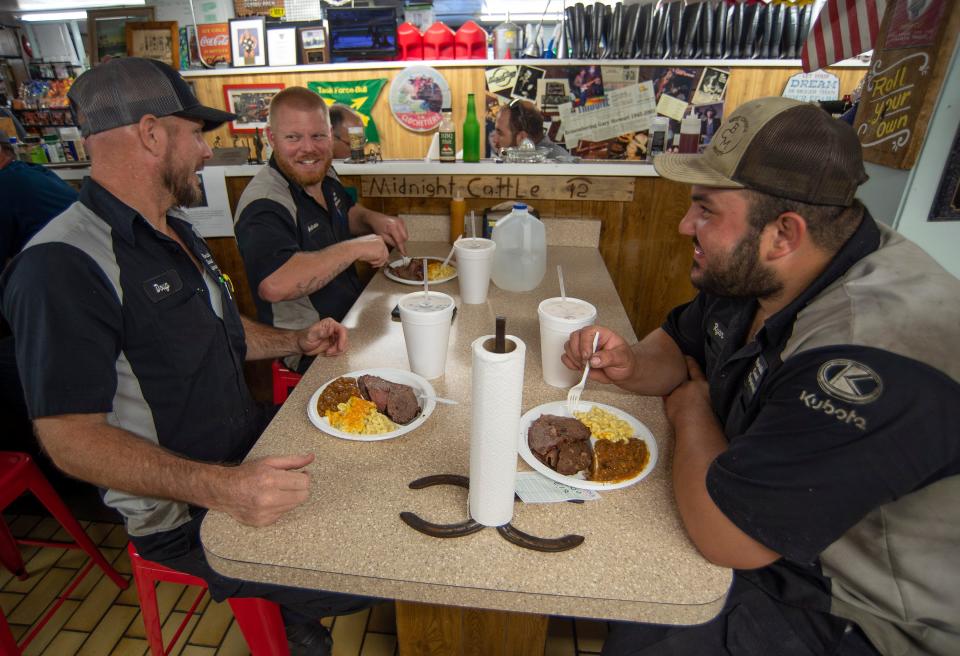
column 342, row 118
column 522, row 120
column 298, row 230
column 812, row 386
column 131, row 347
column 32, row 195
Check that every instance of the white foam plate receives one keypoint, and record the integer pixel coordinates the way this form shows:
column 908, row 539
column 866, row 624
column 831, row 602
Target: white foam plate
column 388, row 272
column 394, row 376
column 559, row 408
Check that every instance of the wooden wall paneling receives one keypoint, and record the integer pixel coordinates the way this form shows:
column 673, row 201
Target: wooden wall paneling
column 396, row 141
column 400, row 143
column 749, row 83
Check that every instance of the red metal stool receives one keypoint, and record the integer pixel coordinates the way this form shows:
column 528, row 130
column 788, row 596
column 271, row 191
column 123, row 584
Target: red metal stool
column 259, row 620
column 284, row 380
column 19, row 474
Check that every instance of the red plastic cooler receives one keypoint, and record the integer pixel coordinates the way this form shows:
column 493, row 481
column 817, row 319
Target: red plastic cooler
column 409, row 42
column 438, row 42
column 471, row 41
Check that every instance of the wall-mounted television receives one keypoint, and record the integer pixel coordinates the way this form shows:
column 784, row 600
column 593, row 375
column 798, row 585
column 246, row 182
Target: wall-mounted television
column 359, row 34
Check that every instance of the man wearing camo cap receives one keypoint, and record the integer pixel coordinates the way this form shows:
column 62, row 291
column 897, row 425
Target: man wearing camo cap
column 131, row 346
column 812, row 385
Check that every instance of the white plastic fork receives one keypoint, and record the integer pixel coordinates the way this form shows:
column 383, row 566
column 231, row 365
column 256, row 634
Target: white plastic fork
column 573, row 396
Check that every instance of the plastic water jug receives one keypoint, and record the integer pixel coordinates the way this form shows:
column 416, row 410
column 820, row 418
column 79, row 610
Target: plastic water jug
column 521, row 256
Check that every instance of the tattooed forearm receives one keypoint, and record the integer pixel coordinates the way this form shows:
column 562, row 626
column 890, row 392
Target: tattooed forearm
column 307, row 287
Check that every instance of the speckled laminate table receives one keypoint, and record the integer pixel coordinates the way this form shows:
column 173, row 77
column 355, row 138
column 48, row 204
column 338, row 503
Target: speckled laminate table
column 635, row 564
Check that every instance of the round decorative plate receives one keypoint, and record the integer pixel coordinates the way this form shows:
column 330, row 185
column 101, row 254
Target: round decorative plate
column 418, row 383
column 388, row 272
column 416, row 97
column 559, row 408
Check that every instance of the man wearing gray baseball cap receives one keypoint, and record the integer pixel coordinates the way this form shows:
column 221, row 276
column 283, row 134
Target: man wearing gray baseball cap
column 131, row 347
column 812, row 385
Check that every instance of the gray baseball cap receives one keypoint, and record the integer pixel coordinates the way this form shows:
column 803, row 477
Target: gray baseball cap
column 782, row 147
column 124, row 90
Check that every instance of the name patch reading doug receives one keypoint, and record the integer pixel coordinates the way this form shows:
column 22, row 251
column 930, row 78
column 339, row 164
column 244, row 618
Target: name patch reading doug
column 164, row 285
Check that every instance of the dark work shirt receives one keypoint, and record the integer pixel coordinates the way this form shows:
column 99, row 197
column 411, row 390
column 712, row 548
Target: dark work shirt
column 112, row 316
column 268, row 236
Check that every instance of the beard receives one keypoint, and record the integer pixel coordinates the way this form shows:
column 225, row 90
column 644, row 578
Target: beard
column 303, row 179
column 182, row 184
column 738, row 274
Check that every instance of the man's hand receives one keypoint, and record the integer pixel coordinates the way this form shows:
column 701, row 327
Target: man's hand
column 262, row 490
column 391, row 228
column 325, row 337
column 614, row 361
column 370, row 249
column 691, row 395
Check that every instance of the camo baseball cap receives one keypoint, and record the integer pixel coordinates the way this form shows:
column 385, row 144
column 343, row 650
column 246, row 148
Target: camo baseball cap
column 782, row 147
column 124, row 90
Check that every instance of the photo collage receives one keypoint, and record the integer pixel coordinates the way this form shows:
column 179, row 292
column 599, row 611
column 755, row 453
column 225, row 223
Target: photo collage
column 609, row 112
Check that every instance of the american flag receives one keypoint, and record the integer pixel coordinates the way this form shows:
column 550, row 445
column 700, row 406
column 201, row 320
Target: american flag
column 844, row 29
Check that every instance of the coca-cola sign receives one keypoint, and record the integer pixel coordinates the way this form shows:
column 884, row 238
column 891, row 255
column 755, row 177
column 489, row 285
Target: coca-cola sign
column 214, row 40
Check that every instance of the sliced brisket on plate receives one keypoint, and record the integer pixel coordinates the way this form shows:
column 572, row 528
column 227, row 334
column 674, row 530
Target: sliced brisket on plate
column 396, row 400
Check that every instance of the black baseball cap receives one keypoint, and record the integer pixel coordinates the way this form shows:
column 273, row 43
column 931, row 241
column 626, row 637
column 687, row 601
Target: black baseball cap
column 782, row 147
column 122, row 91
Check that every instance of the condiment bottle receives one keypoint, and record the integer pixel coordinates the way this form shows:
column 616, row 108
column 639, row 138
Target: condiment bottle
column 458, row 210
column 448, row 137
column 471, row 132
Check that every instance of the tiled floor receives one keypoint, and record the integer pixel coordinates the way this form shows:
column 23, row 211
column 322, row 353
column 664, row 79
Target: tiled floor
column 99, row 620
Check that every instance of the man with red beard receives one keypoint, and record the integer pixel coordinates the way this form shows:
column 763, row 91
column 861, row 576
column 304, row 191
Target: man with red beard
column 812, row 385
column 299, row 231
column 131, row 347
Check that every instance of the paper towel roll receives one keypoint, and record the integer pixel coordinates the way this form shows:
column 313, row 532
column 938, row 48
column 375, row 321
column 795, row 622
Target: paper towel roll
column 495, row 429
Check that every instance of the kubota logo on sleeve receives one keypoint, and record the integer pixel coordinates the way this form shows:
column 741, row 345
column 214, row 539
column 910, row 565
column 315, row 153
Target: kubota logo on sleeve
column 850, row 380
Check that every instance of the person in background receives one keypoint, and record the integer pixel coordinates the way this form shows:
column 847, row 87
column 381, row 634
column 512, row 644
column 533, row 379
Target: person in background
column 32, row 195
column 131, row 346
column 298, row 230
column 342, row 118
column 814, row 391
column 522, row 120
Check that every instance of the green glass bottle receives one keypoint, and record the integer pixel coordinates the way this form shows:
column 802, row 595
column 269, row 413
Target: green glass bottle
column 471, row 133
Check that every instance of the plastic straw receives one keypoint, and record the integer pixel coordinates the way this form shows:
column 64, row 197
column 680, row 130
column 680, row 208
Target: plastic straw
column 450, row 254
column 563, row 291
column 426, row 285
column 473, row 227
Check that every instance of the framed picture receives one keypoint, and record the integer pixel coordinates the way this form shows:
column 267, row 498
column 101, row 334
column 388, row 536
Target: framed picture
column 314, row 45
column 153, row 40
column 107, row 33
column 251, row 103
column 282, row 46
column 248, row 41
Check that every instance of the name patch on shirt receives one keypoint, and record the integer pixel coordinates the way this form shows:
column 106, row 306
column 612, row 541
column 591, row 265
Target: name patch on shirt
column 162, row 286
